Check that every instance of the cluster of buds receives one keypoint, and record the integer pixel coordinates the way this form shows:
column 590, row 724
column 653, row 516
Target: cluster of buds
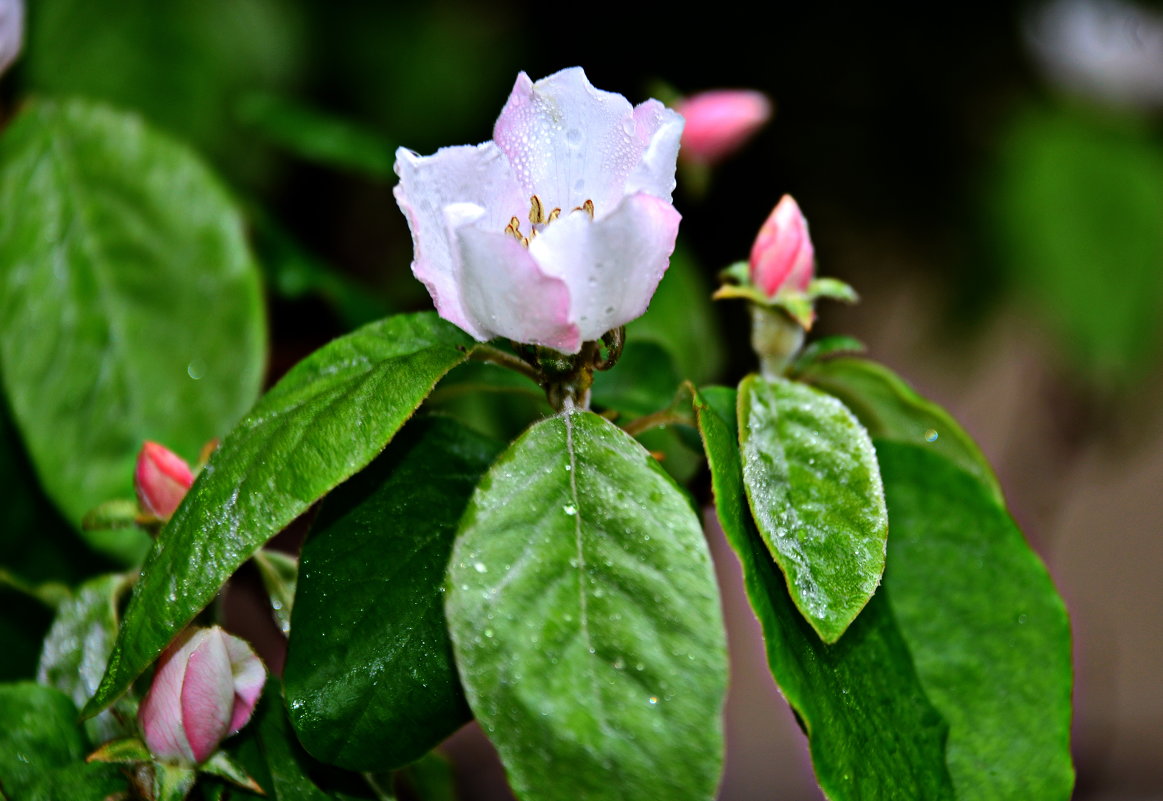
column 779, row 281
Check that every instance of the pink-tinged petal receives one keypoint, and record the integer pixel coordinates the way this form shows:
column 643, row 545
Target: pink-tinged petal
column 508, row 295
column 611, row 265
column 783, row 255
column 207, row 694
column 478, row 175
column 162, row 479
column 11, row 31
column 160, row 713
column 658, row 131
column 569, row 142
column 249, row 677
column 718, row 123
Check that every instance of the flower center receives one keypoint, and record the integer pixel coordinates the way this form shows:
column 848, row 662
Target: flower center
column 538, row 219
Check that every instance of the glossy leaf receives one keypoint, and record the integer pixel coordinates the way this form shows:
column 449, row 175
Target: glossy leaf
column 872, row 731
column 890, row 409
column 988, row 633
column 370, row 679
column 280, row 575
column 127, row 291
column 585, row 619
column 77, row 781
column 815, row 493
column 78, row 646
column 323, row 422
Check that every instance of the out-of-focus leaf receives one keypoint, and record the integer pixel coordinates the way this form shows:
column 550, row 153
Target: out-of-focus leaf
column 322, row 423
column 317, row 136
column 585, row 619
column 890, row 409
column 370, row 679
column 815, row 493
column 643, row 381
column 182, row 64
column 38, row 733
column 130, row 306
column 873, row 732
column 1076, row 205
column 681, row 320
column 78, row 646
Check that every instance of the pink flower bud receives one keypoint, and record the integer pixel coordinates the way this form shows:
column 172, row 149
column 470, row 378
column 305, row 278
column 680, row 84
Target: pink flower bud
column 162, row 479
column 782, row 255
column 205, row 688
column 718, row 123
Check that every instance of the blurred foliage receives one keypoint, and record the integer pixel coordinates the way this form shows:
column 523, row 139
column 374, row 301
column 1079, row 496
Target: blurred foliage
column 1077, row 212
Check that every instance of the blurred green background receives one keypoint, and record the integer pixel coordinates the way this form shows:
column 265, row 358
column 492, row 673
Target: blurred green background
column 1004, row 226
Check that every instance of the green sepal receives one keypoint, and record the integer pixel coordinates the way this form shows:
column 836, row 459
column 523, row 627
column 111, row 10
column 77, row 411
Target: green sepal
column 116, row 514
column 833, row 289
column 172, row 782
column 221, row 765
column 280, row 576
column 126, row 751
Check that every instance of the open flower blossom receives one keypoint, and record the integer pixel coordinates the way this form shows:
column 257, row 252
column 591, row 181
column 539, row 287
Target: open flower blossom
column 719, row 122
column 161, row 479
column 205, row 688
column 560, row 228
column 11, row 31
column 783, row 256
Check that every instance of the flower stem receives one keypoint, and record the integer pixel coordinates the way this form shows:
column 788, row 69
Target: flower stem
column 656, row 420
column 491, row 355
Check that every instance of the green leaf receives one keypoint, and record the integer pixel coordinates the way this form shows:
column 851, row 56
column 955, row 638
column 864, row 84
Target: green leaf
column 323, row 422
column 370, row 679
column 38, row 732
column 988, row 633
column 814, row 488
column 890, row 409
column 317, row 136
column 825, row 348
column 127, row 290
column 77, row 782
column 585, row 619
column 78, row 646
column 873, row 732
column 682, row 320
column 643, row 381
column 431, row 778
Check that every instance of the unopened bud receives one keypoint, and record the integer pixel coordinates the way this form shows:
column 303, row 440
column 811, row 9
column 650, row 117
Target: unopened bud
column 782, row 256
column 719, row 122
column 162, row 479
column 205, row 688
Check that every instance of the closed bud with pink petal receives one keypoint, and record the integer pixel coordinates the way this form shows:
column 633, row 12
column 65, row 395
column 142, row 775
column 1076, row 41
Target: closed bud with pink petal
column 782, row 256
column 162, row 479
column 720, row 122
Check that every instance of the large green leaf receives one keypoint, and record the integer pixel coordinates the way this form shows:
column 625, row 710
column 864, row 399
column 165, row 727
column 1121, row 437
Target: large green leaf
column 78, row 646
column 130, row 306
column 988, row 633
column 814, row 488
column 370, row 679
column 873, row 732
column 890, row 409
column 585, row 620
column 321, row 424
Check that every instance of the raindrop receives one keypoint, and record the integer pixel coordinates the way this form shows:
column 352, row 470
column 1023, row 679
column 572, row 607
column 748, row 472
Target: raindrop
column 196, row 369
column 570, row 510
column 480, row 567
column 652, row 700
column 619, row 664
column 931, row 435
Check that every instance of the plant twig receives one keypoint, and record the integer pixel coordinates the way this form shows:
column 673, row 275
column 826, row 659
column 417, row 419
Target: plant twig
column 656, row 420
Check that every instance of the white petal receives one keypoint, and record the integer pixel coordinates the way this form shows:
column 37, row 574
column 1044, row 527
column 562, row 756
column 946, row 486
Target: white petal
column 611, row 265
column 569, row 142
column 428, row 185
column 505, row 293
column 659, row 129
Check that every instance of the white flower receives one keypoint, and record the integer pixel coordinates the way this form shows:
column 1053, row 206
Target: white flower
column 560, row 228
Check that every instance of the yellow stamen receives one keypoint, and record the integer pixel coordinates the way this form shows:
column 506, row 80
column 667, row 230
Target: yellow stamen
column 553, row 215
column 513, row 229
column 536, row 210
column 587, row 207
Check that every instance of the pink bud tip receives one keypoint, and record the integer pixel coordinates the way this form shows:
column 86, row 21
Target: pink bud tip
column 205, row 688
column 719, row 122
column 162, row 479
column 782, row 255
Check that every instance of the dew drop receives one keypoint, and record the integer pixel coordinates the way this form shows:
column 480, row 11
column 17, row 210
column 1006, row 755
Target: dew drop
column 196, row 369
column 570, row 510
column 652, row 700
column 480, row 567
column 931, row 435
column 619, row 664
